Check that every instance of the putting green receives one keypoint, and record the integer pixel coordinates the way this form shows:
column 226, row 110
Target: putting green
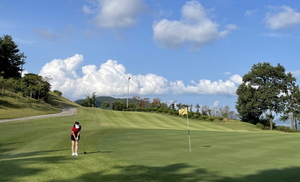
column 215, row 155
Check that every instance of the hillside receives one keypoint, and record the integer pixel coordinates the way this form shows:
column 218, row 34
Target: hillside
column 15, row 106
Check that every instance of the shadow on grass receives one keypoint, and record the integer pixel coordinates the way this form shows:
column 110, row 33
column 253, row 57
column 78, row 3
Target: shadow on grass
column 95, row 152
column 137, row 173
column 12, row 166
column 8, row 105
column 171, row 173
column 5, row 147
column 290, row 174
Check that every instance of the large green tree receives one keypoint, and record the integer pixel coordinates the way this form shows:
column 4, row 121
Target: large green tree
column 11, row 59
column 264, row 91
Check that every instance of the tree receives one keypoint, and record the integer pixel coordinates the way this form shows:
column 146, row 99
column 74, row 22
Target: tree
column 2, row 84
column 179, row 106
column 93, row 100
column 105, row 105
column 11, row 60
column 156, row 102
column 35, row 86
column 144, row 102
column 197, row 107
column 131, row 106
column 292, row 110
column 137, row 100
column 11, row 85
column 172, row 105
column 191, row 107
column 263, row 91
column 57, row 92
column 248, row 105
column 89, row 101
column 118, row 105
column 206, row 111
column 225, row 112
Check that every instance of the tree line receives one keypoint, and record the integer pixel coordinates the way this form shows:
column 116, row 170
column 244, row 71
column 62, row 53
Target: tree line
column 11, row 67
column 140, row 104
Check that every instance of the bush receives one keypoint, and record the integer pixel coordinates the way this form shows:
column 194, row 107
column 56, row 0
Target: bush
column 211, row 118
column 140, row 109
column 57, row 92
column 171, row 111
column 260, row 126
column 220, row 118
column 285, row 129
column 203, row 117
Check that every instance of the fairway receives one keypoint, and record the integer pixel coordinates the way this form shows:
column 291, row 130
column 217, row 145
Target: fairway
column 137, row 146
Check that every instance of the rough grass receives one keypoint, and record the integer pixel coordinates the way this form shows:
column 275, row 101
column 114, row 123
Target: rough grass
column 135, row 146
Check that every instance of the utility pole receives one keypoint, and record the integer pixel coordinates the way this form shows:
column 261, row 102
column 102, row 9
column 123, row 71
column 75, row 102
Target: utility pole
column 128, row 91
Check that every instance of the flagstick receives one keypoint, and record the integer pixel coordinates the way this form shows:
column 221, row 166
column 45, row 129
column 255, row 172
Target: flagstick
column 188, row 123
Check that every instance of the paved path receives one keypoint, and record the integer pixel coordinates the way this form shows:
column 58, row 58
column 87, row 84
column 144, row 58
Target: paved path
column 67, row 111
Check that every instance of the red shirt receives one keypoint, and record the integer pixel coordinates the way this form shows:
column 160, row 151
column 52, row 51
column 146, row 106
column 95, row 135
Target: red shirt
column 75, row 130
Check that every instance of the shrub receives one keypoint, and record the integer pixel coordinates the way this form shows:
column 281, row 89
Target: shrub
column 165, row 110
column 220, row 118
column 139, row 109
column 171, row 111
column 211, row 118
column 203, row 117
column 160, row 110
column 285, row 129
column 259, row 125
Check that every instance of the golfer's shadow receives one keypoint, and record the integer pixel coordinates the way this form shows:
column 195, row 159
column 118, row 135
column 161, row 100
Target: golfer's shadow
column 98, row 152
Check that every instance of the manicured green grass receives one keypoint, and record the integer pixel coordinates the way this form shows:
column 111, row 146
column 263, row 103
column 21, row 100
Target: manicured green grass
column 136, row 146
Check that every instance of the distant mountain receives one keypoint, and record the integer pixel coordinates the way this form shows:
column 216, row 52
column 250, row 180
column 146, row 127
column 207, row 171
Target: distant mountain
column 108, row 99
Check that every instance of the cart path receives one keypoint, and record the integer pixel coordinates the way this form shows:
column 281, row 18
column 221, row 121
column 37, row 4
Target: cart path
column 66, row 111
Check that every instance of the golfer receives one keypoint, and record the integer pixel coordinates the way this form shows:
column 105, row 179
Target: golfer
column 75, row 137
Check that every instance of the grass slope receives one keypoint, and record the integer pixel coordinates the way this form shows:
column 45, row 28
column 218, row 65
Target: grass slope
column 15, row 106
column 134, row 146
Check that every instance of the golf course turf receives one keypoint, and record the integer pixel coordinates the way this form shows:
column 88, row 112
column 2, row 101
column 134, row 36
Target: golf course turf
column 138, row 146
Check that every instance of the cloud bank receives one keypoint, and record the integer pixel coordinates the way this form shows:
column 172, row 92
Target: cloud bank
column 111, row 79
column 194, row 28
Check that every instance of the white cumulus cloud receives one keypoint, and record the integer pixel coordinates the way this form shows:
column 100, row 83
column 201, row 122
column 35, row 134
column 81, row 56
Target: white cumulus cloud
column 250, row 13
column 282, row 17
column 87, row 10
column 111, row 79
column 194, row 28
column 205, row 87
column 115, row 13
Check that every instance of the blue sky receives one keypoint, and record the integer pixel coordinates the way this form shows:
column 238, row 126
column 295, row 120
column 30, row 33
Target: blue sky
column 191, row 52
